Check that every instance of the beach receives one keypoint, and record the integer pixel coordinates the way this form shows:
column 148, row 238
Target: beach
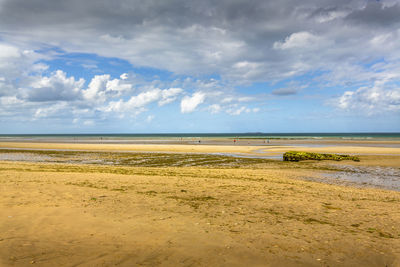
column 199, row 133
column 189, row 203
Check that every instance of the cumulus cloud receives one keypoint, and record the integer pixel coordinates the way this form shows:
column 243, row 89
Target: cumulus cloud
column 101, row 87
column 137, row 103
column 371, row 100
column 56, row 87
column 16, row 64
column 190, row 103
column 48, row 95
column 380, row 95
column 34, row 93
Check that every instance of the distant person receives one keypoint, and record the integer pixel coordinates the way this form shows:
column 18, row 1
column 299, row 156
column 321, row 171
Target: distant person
column 234, row 141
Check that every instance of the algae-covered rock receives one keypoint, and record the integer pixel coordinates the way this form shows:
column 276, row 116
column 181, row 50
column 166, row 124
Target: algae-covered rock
column 299, row 155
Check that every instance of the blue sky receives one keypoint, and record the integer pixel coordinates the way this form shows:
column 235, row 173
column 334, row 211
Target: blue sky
column 209, row 66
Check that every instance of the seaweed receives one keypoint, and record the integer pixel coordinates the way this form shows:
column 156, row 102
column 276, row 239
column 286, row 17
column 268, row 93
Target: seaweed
column 300, row 155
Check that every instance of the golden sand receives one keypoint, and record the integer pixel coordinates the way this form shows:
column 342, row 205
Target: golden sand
column 95, row 215
column 133, row 147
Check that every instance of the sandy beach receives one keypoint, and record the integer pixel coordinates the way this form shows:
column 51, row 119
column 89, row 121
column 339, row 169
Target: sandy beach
column 199, row 133
column 181, row 205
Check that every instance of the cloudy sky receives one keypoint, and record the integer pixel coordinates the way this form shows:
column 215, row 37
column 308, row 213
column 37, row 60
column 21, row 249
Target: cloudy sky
column 134, row 66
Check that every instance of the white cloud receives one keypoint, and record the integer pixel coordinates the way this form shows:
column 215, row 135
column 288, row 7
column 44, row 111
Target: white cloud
column 96, row 88
column 137, row 103
column 371, row 100
column 26, row 88
column 189, row 104
column 230, row 99
column 56, row 87
column 215, row 108
column 17, row 64
column 118, row 86
column 381, row 94
column 169, row 95
column 144, row 98
column 101, row 87
column 235, row 111
column 57, row 94
column 50, row 111
column 298, row 40
column 8, row 51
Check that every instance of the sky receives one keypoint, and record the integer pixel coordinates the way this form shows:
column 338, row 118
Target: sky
column 185, row 66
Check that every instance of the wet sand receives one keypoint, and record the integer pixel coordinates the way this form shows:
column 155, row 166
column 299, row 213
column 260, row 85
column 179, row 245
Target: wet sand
column 251, row 147
column 251, row 213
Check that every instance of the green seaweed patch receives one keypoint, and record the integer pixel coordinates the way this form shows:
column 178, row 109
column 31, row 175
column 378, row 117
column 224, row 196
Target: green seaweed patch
column 300, row 155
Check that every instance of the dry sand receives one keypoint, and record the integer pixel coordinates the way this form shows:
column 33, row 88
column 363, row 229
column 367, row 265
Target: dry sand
column 133, row 147
column 269, row 215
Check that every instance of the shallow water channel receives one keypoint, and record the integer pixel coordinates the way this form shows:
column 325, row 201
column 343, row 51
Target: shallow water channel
column 375, row 176
column 380, row 177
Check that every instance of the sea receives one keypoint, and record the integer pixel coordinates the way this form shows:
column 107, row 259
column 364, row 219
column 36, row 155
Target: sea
column 155, row 136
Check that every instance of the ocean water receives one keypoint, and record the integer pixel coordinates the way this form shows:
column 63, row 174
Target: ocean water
column 349, row 136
